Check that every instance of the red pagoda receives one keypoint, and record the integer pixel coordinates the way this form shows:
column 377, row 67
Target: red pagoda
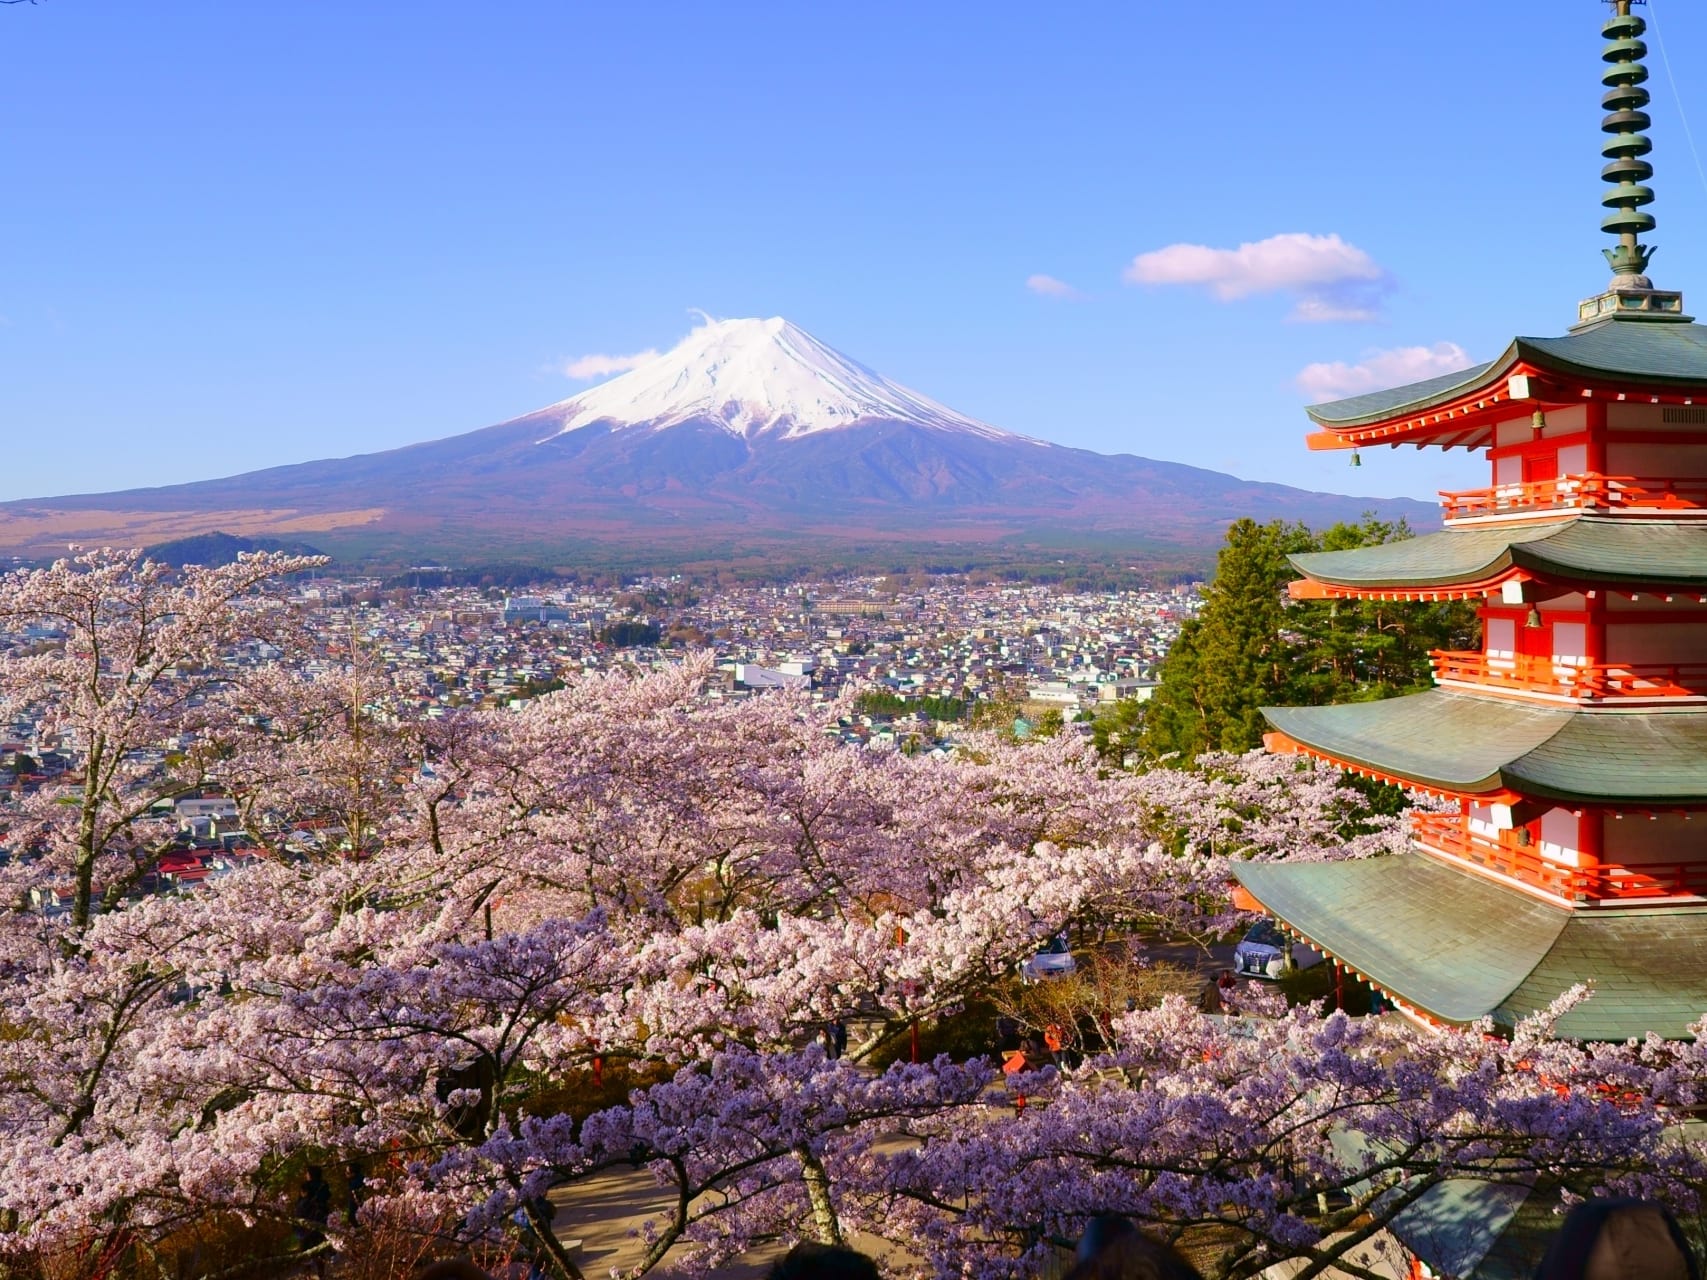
column 1574, row 744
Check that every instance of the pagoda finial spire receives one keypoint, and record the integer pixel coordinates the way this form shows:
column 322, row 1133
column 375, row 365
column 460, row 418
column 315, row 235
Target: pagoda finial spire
column 1626, row 122
column 1631, row 295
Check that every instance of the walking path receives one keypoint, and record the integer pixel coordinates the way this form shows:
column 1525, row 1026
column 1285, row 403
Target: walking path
column 605, row 1214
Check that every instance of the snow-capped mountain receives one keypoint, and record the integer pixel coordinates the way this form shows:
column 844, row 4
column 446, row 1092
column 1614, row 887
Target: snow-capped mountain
column 752, row 376
column 750, row 436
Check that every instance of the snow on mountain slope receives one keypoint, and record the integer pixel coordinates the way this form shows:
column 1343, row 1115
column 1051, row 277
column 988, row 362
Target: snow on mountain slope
column 759, row 376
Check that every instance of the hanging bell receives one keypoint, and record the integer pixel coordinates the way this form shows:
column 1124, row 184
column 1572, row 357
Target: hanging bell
column 1356, row 458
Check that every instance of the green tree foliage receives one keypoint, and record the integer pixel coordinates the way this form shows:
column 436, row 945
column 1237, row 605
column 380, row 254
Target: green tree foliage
column 628, row 633
column 881, row 702
column 1118, row 730
column 1252, row 647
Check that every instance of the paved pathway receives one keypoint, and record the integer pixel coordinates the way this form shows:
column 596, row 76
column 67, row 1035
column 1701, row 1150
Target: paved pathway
column 605, row 1213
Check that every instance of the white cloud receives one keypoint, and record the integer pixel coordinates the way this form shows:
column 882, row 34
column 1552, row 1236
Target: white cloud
column 1050, row 287
column 1319, row 309
column 1335, row 380
column 1332, row 280
column 584, row 368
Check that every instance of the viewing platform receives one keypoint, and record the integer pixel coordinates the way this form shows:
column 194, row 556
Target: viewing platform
column 1654, row 496
column 1554, row 680
column 1507, row 856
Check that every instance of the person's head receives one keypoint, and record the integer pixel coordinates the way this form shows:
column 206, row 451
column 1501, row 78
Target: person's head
column 1100, row 1232
column 1619, row 1240
column 1119, row 1251
column 808, row 1261
column 451, row 1269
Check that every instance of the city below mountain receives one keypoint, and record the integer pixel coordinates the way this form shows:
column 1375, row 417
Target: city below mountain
column 750, row 434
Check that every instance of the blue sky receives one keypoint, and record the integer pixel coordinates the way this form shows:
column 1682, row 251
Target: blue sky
column 243, row 234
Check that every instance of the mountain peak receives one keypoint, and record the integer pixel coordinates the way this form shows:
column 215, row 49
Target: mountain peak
column 755, row 376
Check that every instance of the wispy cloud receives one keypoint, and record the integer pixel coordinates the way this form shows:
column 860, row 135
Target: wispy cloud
column 1330, row 279
column 1394, row 367
column 1347, row 307
column 585, row 368
column 1050, row 287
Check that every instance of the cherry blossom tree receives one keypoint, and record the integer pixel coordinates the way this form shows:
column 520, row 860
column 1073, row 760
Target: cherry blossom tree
column 624, row 876
column 133, row 682
column 1297, row 1136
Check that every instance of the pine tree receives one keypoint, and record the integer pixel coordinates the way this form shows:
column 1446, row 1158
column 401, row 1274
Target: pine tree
column 1252, row 647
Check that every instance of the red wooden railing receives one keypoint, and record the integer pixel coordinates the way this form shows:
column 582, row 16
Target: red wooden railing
column 1588, row 491
column 1450, row 834
column 1593, row 681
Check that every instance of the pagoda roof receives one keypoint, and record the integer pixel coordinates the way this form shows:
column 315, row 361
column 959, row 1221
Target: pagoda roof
column 1470, row 744
column 1664, row 355
column 1661, row 553
column 1460, row 947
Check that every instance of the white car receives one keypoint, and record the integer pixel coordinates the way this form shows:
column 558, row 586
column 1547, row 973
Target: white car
column 1261, row 953
column 1053, row 960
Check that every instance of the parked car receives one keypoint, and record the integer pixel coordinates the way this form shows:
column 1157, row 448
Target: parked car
column 1262, row 952
column 1053, row 960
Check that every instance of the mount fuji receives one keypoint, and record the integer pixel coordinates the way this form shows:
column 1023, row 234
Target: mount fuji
column 746, row 435
column 751, row 377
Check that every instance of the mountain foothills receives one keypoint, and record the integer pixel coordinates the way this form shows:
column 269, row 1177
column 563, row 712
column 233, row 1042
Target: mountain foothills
column 748, row 433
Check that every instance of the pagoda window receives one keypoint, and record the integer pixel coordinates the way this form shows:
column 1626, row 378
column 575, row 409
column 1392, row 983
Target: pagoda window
column 1684, row 641
column 1501, row 634
column 1637, row 839
column 1508, row 470
column 1484, row 821
column 1648, row 458
column 1683, row 419
column 1561, row 836
column 1570, row 643
column 1573, row 459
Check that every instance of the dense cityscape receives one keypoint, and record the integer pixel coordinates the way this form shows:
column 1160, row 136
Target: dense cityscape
column 911, row 664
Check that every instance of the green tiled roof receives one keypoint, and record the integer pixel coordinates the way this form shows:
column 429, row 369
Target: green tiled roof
column 1444, row 940
column 1633, row 956
column 1472, row 743
column 1373, row 406
column 1479, row 1230
column 1662, row 553
column 1664, row 354
column 1461, row 947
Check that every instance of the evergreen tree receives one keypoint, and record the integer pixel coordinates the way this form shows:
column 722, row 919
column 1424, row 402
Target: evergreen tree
column 1118, row 730
column 1251, row 646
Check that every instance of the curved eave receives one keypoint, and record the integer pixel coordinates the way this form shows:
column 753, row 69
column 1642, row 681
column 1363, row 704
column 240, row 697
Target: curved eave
column 1651, row 556
column 1378, row 407
column 1488, row 790
column 1419, row 741
column 1387, row 920
column 1457, row 947
column 1489, row 747
column 1662, row 363
column 1478, row 589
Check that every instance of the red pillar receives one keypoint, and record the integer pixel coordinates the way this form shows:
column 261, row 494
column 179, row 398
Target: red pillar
column 1591, row 846
column 1596, row 436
